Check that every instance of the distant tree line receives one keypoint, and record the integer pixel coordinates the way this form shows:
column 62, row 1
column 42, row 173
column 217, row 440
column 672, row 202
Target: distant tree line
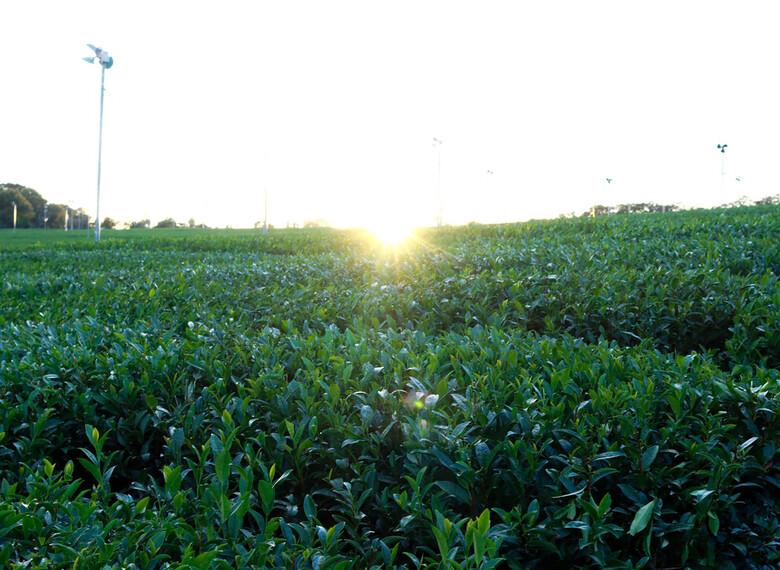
column 168, row 223
column 651, row 207
column 162, row 224
column 635, row 208
column 769, row 201
column 745, row 201
column 34, row 211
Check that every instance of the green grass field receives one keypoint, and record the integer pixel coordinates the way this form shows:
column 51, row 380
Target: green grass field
column 589, row 393
column 11, row 238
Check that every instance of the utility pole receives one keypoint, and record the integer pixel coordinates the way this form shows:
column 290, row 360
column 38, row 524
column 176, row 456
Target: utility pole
column 105, row 63
column 722, row 149
column 488, row 187
column 437, row 144
column 265, row 197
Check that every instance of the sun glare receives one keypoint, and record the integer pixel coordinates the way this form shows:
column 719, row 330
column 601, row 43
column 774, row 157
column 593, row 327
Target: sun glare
column 391, row 233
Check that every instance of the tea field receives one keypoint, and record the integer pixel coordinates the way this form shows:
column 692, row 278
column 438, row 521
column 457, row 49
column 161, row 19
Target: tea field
column 589, row 393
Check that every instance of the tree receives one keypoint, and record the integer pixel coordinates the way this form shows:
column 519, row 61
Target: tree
column 596, row 210
column 34, row 199
column 25, row 213
column 80, row 219
column 166, row 223
column 141, row 223
column 108, row 223
column 769, row 200
column 56, row 216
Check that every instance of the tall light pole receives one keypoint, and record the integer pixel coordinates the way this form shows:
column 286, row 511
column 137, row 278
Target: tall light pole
column 105, row 63
column 265, row 210
column 265, row 197
column 722, row 148
column 69, row 215
column 437, row 144
column 488, row 187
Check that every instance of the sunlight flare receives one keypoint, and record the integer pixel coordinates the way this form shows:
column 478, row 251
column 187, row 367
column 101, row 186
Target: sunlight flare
column 391, row 233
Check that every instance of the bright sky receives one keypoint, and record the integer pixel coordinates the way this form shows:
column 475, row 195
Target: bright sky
column 333, row 106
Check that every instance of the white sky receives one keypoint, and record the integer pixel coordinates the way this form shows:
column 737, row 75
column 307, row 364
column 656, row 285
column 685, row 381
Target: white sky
column 334, row 105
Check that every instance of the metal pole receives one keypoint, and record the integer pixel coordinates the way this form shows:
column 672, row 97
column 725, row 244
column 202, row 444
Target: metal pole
column 437, row 144
column 14, row 203
column 265, row 200
column 100, row 153
column 722, row 149
column 438, row 188
column 488, row 187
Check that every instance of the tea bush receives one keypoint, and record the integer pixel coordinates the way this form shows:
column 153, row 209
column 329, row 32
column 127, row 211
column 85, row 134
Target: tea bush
column 571, row 393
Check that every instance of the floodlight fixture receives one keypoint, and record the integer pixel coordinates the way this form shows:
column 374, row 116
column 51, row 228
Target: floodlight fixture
column 106, row 62
column 101, row 56
column 722, row 149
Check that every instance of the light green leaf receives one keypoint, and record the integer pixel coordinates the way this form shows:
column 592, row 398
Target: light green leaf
column 140, row 506
column 483, row 523
column 203, row 561
column 441, row 541
column 642, row 518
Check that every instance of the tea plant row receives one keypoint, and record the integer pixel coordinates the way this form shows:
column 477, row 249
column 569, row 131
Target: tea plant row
column 576, row 393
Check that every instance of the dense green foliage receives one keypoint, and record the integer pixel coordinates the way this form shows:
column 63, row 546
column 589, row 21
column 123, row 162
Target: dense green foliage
column 571, row 393
column 32, row 209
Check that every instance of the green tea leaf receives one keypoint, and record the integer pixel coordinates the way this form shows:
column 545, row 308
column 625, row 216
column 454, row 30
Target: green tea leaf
column 309, row 508
column 648, row 457
column 140, row 506
column 93, row 435
column 609, row 455
column 713, row 522
column 747, row 443
column 483, row 523
column 642, row 518
column 455, row 490
column 267, row 493
column 441, row 542
column 203, row 561
column 222, row 466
